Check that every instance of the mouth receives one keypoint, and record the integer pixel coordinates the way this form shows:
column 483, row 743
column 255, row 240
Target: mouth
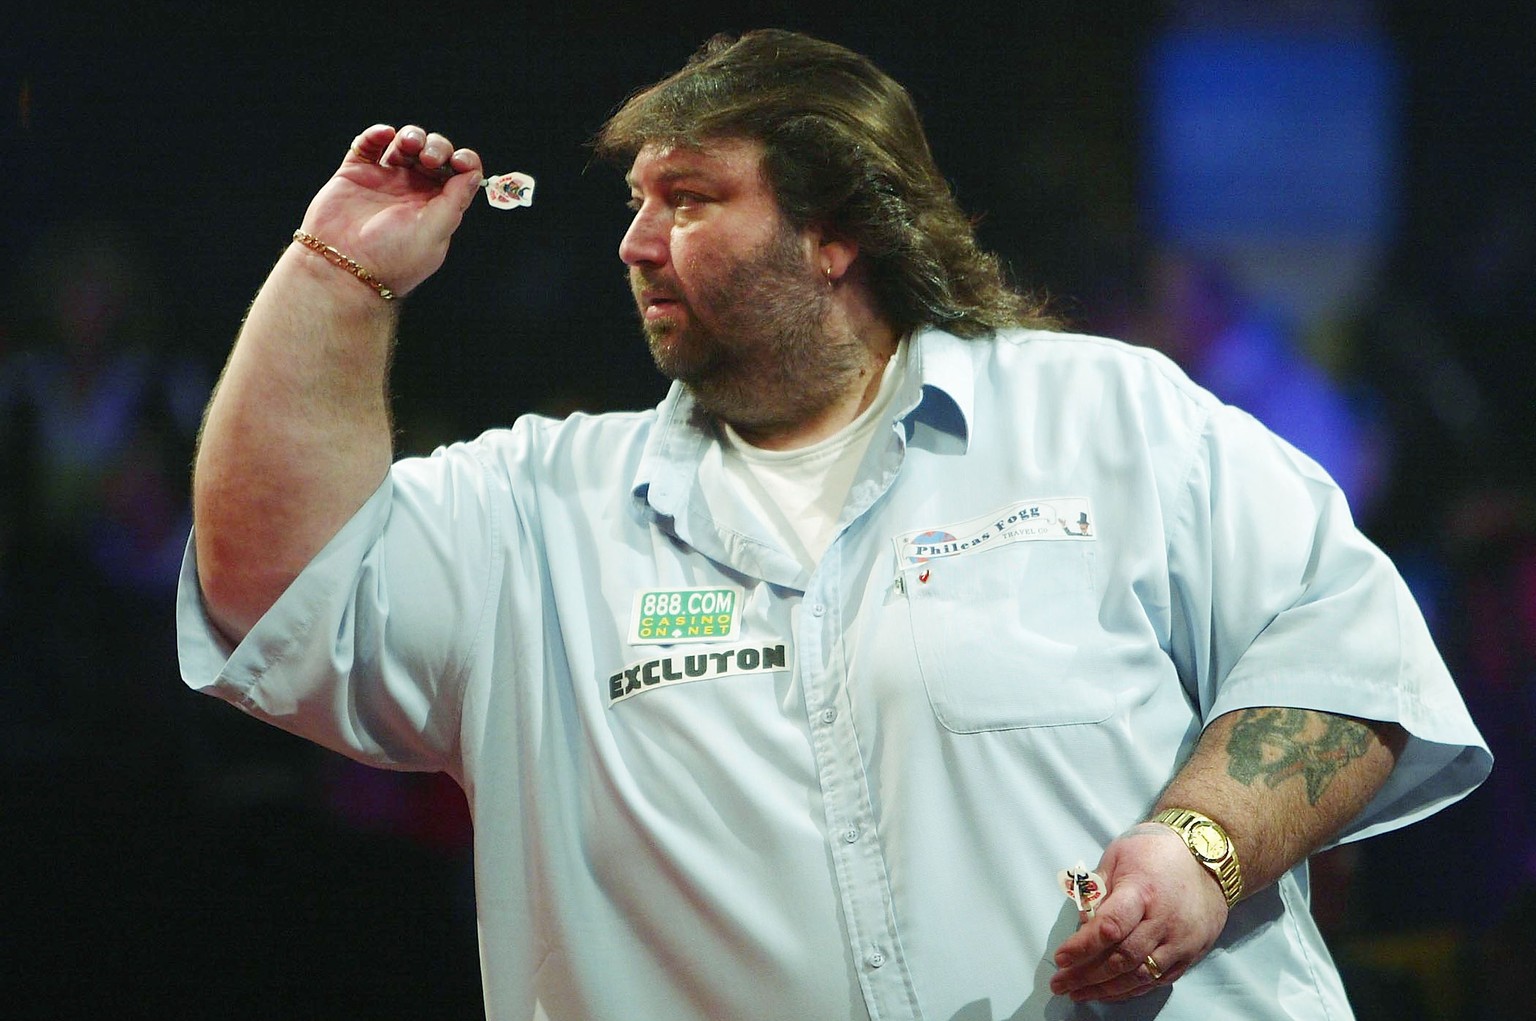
column 657, row 304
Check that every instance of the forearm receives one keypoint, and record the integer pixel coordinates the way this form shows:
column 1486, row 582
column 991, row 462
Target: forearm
column 1282, row 782
column 297, row 435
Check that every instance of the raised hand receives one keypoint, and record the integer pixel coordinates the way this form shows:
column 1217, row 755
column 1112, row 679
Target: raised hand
column 395, row 201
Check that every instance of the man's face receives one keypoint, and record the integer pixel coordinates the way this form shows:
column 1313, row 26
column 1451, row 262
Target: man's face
column 730, row 297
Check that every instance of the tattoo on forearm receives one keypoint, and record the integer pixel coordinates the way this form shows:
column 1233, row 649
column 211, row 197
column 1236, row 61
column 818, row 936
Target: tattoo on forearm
column 1274, row 745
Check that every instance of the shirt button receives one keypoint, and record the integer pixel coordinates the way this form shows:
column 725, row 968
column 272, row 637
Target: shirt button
column 875, row 958
column 817, row 610
column 828, row 715
column 851, row 835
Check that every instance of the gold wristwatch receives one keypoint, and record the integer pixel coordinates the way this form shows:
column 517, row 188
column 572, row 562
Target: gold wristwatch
column 1210, row 845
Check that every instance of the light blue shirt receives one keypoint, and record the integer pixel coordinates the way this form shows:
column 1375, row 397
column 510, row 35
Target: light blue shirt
column 848, row 793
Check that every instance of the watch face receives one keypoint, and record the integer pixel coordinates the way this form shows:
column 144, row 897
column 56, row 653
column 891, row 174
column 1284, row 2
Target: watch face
column 1207, row 841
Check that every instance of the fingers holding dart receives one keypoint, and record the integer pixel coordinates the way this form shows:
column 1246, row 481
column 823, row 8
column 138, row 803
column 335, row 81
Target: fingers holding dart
column 415, row 148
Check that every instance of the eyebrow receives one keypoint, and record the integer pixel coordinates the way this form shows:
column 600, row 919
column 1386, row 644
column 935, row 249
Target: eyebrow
column 671, row 175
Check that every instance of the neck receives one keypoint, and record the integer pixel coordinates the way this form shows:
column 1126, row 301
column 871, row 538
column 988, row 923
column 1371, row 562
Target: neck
column 860, row 383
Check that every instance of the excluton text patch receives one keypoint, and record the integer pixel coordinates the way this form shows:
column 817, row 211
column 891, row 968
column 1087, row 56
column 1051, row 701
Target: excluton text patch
column 679, row 668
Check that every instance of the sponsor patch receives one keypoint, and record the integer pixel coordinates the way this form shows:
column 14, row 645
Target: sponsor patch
column 682, row 667
column 691, row 615
column 1069, row 519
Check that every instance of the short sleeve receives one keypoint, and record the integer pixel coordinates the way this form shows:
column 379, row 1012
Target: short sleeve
column 1279, row 600
column 366, row 651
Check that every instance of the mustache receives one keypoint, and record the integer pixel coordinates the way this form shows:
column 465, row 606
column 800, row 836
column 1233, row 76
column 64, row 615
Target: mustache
column 642, row 283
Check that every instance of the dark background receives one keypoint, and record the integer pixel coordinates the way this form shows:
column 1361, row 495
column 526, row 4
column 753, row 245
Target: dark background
column 164, row 857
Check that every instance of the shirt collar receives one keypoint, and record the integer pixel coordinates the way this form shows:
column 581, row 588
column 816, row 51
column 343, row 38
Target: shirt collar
column 672, row 452
column 941, row 385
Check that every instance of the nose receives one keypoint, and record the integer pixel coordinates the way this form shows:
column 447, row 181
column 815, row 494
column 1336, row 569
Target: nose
column 645, row 242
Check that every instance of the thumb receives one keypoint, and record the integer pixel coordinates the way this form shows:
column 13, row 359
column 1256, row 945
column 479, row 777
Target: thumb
column 441, row 216
column 462, row 188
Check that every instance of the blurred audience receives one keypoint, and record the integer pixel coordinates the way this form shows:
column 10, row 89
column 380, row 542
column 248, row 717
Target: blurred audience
column 1248, row 355
column 97, row 419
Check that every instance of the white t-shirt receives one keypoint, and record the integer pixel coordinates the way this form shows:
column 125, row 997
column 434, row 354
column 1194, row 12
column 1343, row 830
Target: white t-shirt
column 796, row 496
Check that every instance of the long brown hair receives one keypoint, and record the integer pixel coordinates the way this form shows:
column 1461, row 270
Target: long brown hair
column 844, row 149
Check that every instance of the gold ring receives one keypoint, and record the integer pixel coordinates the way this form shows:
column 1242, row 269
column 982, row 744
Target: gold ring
column 1157, row 973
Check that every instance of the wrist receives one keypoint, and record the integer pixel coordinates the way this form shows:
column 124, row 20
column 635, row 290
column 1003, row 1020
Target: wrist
column 1210, row 845
column 339, row 291
column 341, row 261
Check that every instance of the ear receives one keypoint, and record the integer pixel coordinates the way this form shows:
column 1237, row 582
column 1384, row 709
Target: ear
column 834, row 255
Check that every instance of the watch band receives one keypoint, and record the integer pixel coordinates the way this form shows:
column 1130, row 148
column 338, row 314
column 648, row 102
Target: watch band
column 1210, row 845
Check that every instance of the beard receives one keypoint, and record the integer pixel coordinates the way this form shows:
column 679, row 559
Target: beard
column 766, row 356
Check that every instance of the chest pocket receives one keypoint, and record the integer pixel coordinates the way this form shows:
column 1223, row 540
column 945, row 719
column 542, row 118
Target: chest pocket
column 1004, row 638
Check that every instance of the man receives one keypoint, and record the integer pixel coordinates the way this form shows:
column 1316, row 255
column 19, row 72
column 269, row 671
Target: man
column 791, row 697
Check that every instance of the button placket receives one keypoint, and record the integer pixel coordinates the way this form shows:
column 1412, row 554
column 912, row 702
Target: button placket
column 859, row 864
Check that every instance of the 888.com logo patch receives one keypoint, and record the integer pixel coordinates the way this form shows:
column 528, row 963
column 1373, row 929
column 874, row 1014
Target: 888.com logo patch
column 667, row 616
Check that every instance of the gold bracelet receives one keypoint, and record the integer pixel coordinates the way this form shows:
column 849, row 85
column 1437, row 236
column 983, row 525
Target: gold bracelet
column 335, row 258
